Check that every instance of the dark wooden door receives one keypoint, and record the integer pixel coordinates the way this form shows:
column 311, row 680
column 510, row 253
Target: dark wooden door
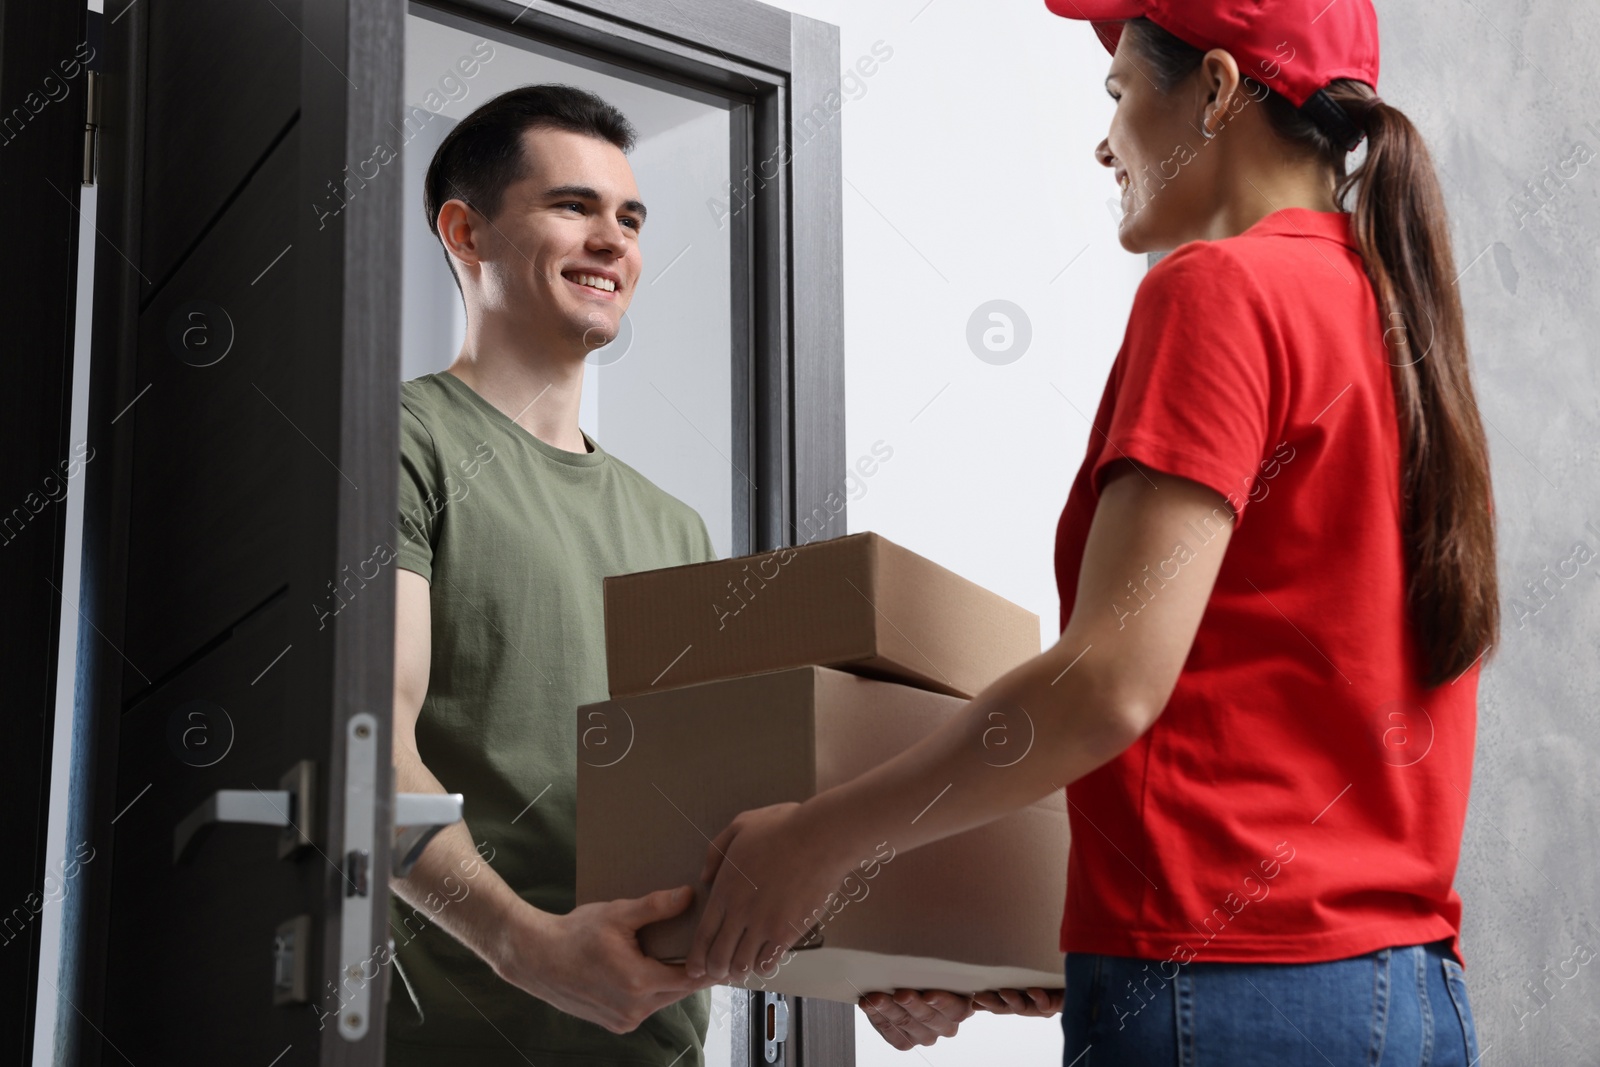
column 238, row 542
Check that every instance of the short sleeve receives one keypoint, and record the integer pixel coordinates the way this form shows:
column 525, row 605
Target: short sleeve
column 1196, row 377
column 420, row 495
column 707, row 551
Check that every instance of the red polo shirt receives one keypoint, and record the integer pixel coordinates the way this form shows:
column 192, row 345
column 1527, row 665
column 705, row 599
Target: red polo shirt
column 1301, row 797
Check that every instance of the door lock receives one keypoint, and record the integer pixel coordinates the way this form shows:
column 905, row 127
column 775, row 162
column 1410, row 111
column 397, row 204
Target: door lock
column 774, row 1023
column 417, row 818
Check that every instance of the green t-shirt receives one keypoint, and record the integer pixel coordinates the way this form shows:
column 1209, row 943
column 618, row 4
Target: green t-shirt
column 515, row 536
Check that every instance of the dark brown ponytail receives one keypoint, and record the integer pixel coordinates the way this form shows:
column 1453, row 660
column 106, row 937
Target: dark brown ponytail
column 1401, row 229
column 1404, row 238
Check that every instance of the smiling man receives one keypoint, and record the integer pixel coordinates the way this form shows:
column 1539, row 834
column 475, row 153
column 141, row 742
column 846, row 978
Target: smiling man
column 510, row 517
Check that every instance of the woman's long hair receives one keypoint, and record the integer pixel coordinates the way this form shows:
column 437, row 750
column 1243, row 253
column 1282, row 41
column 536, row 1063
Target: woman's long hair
column 1399, row 221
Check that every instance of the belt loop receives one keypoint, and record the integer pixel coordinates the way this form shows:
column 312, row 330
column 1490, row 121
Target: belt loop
column 1423, row 1006
column 1183, row 1011
column 1380, row 1005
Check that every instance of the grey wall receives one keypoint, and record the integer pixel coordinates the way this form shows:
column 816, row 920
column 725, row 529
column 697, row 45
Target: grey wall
column 1502, row 92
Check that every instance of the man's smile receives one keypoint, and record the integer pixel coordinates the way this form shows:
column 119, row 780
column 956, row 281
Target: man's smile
column 598, row 283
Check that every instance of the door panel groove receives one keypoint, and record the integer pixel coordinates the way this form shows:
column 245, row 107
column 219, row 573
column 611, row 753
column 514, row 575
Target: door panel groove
column 155, row 289
column 203, row 651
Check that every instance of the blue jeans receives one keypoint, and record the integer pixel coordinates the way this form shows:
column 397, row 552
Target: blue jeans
column 1396, row 1007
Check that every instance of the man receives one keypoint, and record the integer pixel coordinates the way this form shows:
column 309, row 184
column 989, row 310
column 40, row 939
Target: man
column 511, row 516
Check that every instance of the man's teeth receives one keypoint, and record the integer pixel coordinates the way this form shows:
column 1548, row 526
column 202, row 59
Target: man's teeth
column 594, row 281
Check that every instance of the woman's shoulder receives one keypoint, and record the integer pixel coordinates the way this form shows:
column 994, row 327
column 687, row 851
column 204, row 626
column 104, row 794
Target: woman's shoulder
column 1209, row 276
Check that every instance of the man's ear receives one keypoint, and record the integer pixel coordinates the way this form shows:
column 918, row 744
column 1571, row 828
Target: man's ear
column 462, row 231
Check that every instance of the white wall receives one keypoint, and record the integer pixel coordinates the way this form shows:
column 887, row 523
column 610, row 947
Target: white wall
column 970, row 177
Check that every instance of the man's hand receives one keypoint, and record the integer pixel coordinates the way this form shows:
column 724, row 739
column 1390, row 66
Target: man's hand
column 1033, row 1002
column 909, row 1018
column 588, row 962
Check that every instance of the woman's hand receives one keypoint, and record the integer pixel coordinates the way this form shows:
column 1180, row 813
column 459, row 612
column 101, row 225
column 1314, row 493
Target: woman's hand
column 908, row 1018
column 770, row 872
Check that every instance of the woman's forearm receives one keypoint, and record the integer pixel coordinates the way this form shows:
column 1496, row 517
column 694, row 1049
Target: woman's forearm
column 1070, row 709
column 1044, row 724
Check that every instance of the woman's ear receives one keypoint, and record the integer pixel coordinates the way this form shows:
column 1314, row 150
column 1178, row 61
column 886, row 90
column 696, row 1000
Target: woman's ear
column 1222, row 84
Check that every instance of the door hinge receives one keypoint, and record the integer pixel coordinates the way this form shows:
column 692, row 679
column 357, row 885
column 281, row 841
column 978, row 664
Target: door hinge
column 91, row 125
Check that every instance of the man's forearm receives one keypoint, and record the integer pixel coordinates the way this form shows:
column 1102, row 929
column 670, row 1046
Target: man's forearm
column 585, row 962
column 453, row 884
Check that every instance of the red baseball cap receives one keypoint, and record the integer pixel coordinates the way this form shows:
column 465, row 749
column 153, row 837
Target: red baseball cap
column 1294, row 47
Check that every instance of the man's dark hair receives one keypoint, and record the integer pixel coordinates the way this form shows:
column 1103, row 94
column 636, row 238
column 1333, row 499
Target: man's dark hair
column 483, row 156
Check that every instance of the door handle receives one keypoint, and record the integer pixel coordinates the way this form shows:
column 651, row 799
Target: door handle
column 417, row 818
column 289, row 807
column 260, row 806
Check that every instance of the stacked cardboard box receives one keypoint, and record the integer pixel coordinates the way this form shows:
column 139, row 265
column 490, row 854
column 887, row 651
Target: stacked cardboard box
column 770, row 678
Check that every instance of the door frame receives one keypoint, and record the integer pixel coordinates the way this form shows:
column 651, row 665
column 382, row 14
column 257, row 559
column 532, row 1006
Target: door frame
column 41, row 141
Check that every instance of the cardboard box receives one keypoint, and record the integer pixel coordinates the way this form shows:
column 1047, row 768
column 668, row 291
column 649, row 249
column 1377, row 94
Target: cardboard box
column 659, row 775
column 859, row 603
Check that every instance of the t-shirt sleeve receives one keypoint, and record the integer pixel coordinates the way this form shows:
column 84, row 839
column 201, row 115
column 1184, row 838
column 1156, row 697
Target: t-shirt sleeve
column 421, row 491
column 707, row 552
column 1198, row 375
